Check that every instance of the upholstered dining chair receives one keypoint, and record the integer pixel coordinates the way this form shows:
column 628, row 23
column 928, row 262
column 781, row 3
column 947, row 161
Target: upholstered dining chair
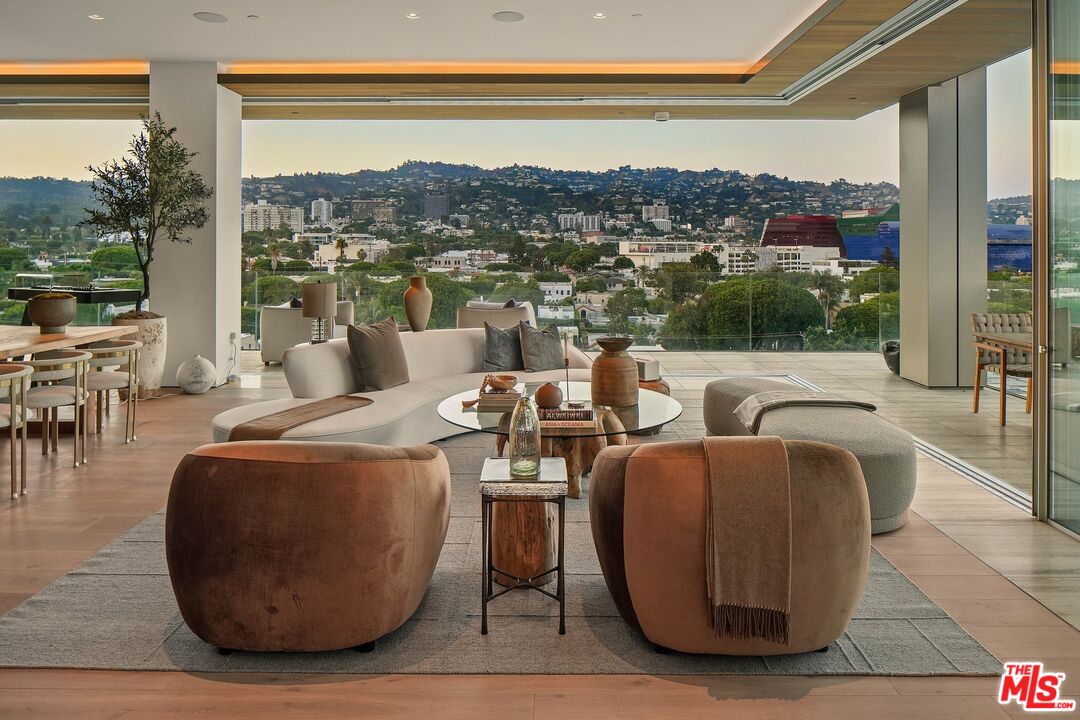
column 14, row 382
column 59, row 380
column 1018, row 363
column 114, row 365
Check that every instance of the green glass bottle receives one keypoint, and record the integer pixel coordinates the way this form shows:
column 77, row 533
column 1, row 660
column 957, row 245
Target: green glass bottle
column 524, row 441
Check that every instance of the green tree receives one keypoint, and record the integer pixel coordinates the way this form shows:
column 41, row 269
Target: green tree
column 113, row 260
column 520, row 291
column 623, row 304
column 622, row 263
column 151, row 193
column 746, row 312
column 14, row 259
column 877, row 279
column 593, row 283
column 583, row 260
column 706, row 261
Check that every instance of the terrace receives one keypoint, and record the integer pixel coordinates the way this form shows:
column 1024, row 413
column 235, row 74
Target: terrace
column 297, row 527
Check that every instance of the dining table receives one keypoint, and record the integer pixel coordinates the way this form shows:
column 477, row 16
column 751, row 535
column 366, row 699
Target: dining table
column 1000, row 343
column 18, row 341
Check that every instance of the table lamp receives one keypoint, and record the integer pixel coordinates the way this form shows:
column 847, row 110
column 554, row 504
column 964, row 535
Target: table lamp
column 320, row 304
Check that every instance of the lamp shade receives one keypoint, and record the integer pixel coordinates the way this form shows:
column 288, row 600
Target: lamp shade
column 320, row 300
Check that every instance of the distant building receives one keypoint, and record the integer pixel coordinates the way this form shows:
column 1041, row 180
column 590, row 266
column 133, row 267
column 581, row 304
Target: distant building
column 661, row 224
column 592, row 223
column 556, row 292
column 381, row 211
column 262, row 216
column 649, row 254
column 570, row 221
column 734, row 222
column 803, row 230
column 322, row 212
column 658, row 210
column 357, row 246
column 459, row 220
column 436, row 206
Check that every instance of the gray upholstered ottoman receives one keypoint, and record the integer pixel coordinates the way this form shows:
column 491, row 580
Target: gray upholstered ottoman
column 885, row 452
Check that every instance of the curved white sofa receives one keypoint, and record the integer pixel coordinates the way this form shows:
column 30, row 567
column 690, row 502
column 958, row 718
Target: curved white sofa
column 441, row 363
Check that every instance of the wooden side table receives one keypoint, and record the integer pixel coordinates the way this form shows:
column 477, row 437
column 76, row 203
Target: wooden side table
column 496, row 487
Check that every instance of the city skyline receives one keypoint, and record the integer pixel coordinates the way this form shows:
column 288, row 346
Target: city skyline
column 863, row 150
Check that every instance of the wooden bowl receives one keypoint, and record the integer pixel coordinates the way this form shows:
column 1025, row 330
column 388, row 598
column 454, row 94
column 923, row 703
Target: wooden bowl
column 502, row 382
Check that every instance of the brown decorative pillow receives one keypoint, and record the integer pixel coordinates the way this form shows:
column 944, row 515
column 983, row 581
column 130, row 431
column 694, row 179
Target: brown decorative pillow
column 541, row 349
column 377, row 357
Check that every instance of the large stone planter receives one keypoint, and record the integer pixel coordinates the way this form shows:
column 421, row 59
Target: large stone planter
column 152, row 334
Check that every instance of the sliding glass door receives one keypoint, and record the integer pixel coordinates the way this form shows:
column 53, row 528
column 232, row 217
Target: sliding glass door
column 1062, row 217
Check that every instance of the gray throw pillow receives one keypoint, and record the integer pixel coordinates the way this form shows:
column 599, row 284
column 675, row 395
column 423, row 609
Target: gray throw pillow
column 377, row 357
column 502, row 349
column 541, row 349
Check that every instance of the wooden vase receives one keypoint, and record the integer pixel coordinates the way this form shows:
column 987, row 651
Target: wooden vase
column 614, row 374
column 417, row 301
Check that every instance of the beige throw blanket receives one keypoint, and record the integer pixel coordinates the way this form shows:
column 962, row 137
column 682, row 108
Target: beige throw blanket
column 751, row 410
column 274, row 425
column 748, row 537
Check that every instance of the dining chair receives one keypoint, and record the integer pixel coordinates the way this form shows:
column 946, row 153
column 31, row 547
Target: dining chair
column 14, row 381
column 1017, row 363
column 114, row 365
column 59, row 380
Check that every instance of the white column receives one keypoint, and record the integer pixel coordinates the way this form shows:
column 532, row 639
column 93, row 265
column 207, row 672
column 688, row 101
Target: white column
column 197, row 286
column 942, row 228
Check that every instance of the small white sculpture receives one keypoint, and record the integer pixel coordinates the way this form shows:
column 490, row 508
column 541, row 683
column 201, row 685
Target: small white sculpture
column 196, row 376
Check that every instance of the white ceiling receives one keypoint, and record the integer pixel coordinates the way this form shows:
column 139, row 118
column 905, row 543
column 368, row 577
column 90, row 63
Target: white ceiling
column 668, row 31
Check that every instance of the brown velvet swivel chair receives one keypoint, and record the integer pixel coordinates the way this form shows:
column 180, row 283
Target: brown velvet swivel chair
column 647, row 505
column 291, row 546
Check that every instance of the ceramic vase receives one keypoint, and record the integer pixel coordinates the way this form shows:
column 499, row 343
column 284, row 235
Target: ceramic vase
column 614, row 374
column 196, row 376
column 51, row 314
column 417, row 302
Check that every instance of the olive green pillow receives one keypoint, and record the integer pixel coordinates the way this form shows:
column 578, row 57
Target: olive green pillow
column 541, row 349
column 377, row 357
column 502, row 349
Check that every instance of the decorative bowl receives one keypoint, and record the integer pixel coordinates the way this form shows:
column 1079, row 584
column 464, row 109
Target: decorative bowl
column 52, row 311
column 501, row 382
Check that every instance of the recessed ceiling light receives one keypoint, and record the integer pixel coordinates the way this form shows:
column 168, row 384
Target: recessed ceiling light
column 210, row 17
column 95, row 16
column 508, row 16
column 412, row 16
column 635, row 16
column 599, row 16
column 253, row 17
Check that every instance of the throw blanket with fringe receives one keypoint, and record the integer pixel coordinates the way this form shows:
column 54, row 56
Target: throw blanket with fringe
column 748, row 537
column 751, row 410
column 274, row 425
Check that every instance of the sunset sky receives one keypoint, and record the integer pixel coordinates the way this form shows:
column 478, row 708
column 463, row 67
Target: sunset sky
column 862, row 150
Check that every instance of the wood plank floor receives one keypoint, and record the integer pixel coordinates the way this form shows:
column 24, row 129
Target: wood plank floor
column 955, row 552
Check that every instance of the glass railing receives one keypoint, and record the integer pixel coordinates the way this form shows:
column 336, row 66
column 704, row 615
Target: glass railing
column 76, row 276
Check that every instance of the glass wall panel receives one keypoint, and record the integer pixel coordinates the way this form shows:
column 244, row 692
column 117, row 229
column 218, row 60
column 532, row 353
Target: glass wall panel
column 1064, row 256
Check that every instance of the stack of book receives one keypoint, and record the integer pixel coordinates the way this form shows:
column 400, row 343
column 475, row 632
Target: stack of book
column 498, row 401
column 566, row 417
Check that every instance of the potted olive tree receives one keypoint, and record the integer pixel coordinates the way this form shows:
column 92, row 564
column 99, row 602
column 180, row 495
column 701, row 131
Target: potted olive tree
column 151, row 194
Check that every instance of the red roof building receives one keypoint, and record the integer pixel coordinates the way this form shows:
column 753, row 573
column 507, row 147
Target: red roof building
column 811, row 230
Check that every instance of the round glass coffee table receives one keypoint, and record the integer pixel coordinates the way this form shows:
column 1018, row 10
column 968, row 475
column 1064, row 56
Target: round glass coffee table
column 523, row 532
column 578, row 446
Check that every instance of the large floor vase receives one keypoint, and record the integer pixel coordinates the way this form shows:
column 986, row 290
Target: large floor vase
column 153, row 335
column 615, row 374
column 417, row 301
